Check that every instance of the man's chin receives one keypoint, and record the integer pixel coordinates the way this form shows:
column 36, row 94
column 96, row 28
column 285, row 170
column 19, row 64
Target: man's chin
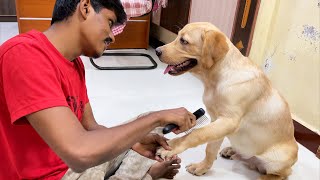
column 96, row 55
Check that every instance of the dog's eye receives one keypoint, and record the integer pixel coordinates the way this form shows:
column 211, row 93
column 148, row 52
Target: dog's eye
column 183, row 41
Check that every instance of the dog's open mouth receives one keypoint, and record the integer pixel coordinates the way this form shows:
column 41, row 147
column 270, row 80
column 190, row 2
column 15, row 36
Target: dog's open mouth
column 181, row 68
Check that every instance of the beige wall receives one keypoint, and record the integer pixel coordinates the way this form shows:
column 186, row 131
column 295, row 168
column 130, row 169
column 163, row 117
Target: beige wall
column 286, row 45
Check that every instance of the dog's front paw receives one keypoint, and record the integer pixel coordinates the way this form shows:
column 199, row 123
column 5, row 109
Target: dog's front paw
column 165, row 154
column 198, row 169
column 177, row 148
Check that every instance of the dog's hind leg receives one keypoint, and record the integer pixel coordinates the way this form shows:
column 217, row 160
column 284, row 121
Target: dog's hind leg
column 276, row 162
column 228, row 153
column 273, row 177
column 211, row 155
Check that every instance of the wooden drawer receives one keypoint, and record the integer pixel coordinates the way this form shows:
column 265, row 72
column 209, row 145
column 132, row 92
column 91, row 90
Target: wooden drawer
column 134, row 35
column 41, row 25
column 36, row 14
column 27, row 25
column 35, row 8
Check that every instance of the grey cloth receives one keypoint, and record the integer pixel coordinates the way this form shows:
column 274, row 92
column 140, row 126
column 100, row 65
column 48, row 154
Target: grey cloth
column 127, row 166
column 133, row 167
column 97, row 172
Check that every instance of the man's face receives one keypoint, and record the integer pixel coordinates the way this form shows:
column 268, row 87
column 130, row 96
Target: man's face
column 96, row 32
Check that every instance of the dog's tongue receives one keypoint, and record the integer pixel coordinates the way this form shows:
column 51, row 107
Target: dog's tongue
column 169, row 67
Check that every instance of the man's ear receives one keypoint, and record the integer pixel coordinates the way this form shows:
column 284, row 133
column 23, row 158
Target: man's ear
column 84, row 7
column 214, row 48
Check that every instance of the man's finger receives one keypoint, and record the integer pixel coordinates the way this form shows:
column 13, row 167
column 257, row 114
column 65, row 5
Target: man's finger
column 159, row 159
column 192, row 119
column 178, row 131
column 150, row 155
column 162, row 141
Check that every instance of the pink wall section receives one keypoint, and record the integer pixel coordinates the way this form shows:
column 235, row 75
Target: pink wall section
column 219, row 12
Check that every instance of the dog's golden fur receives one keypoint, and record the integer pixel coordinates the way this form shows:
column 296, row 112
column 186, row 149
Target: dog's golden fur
column 241, row 102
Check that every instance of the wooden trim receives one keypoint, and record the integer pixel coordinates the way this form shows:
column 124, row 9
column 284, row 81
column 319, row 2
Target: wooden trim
column 189, row 11
column 235, row 20
column 306, row 137
column 253, row 26
column 8, row 18
column 36, row 19
column 18, row 15
column 242, row 35
column 148, row 29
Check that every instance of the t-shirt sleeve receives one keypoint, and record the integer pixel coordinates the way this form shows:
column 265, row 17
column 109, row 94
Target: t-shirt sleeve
column 31, row 81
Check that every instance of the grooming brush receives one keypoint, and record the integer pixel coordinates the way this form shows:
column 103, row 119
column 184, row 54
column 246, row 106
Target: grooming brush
column 201, row 120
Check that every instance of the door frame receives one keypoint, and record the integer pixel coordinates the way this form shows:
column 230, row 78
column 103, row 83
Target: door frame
column 244, row 24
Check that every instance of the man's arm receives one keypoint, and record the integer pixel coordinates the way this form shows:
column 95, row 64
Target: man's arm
column 146, row 147
column 88, row 121
column 81, row 149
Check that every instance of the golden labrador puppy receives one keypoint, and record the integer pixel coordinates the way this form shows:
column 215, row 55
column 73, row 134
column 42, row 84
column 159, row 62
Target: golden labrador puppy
column 240, row 100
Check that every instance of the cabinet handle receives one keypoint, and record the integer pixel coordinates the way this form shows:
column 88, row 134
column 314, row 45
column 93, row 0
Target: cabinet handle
column 39, row 19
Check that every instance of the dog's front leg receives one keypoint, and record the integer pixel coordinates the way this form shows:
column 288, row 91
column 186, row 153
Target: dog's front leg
column 215, row 131
column 202, row 167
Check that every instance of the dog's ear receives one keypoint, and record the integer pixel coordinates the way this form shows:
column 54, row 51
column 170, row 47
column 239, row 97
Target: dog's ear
column 214, row 47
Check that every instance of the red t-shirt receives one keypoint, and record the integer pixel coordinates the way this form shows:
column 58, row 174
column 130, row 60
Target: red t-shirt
column 34, row 76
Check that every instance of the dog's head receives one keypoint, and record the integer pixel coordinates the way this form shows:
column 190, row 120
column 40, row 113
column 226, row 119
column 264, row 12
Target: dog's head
column 197, row 46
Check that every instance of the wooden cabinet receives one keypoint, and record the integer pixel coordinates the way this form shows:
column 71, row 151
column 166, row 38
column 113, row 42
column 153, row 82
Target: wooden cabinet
column 175, row 16
column 27, row 25
column 135, row 34
column 36, row 14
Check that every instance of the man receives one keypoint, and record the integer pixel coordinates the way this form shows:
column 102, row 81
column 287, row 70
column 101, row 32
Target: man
column 46, row 121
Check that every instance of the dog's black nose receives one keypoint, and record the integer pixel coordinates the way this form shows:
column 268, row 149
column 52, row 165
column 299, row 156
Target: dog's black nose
column 158, row 52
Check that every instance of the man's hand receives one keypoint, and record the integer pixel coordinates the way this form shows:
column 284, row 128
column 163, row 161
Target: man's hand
column 149, row 144
column 179, row 116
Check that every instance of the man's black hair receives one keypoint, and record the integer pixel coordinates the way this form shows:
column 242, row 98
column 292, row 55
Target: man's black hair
column 65, row 8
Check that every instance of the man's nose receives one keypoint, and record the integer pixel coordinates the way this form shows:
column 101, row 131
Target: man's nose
column 111, row 38
column 158, row 52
